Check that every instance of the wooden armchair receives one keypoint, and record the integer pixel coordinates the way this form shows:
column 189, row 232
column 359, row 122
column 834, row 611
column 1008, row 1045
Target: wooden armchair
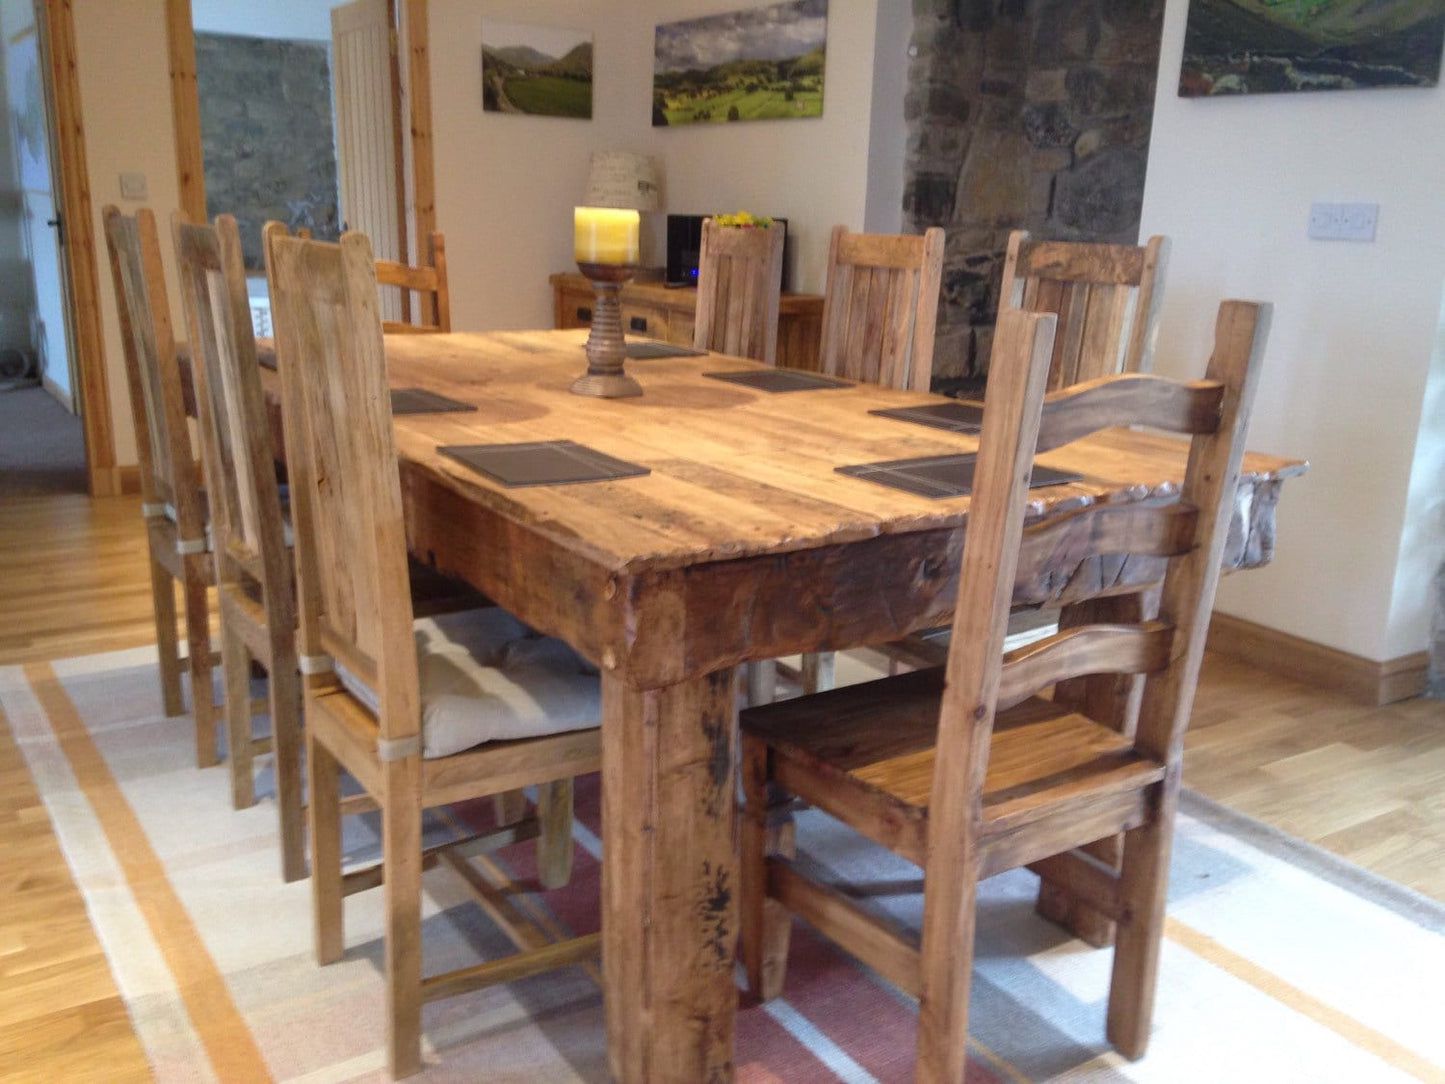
column 739, row 283
column 880, row 307
column 254, row 589
column 172, row 500
column 1106, row 297
column 420, row 715
column 433, row 309
column 966, row 771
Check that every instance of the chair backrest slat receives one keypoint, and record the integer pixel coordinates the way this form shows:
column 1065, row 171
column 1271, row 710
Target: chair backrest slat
column 1130, row 399
column 428, row 281
column 1106, row 297
column 880, row 310
column 739, row 280
column 239, row 459
column 345, row 491
column 1088, row 649
column 169, row 474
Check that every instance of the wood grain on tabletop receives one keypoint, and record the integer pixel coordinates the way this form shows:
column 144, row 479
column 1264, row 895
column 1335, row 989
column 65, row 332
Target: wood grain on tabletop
column 718, row 488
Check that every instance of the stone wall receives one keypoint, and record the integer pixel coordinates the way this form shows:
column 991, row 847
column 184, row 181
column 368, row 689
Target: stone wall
column 266, row 135
column 1028, row 114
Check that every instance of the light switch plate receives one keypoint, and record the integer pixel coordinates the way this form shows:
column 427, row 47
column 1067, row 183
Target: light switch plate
column 132, row 186
column 1343, row 221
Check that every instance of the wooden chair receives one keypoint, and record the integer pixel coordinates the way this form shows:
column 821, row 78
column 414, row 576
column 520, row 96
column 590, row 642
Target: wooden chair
column 880, row 313
column 1106, row 297
column 174, row 505
column 398, row 705
column 965, row 770
column 254, row 589
column 880, row 307
column 428, row 281
column 739, row 282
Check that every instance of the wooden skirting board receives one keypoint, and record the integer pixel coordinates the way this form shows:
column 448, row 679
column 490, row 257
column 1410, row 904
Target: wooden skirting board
column 1364, row 681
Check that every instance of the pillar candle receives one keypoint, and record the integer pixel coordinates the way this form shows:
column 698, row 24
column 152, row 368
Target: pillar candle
column 604, row 235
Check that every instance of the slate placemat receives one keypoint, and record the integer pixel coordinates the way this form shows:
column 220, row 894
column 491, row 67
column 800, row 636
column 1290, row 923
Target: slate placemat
column 957, row 416
column 542, row 462
column 941, row 475
column 652, row 348
column 779, row 379
column 422, row 401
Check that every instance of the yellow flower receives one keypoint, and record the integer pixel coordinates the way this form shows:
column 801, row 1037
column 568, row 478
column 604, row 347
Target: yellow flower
column 745, row 220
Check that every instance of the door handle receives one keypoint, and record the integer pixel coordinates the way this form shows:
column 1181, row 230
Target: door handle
column 59, row 224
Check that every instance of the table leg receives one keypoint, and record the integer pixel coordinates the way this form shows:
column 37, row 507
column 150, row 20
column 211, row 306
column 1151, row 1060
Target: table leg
column 669, row 879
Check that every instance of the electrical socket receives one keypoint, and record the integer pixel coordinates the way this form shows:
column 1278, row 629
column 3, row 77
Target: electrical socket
column 132, row 186
column 1343, row 221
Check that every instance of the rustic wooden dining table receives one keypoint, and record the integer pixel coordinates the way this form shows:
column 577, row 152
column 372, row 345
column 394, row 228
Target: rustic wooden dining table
column 741, row 543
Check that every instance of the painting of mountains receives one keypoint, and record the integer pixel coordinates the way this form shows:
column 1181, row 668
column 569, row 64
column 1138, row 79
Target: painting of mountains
column 545, row 71
column 1267, row 46
column 758, row 64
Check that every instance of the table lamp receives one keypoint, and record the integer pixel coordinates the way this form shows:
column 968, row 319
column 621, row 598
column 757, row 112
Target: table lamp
column 620, row 184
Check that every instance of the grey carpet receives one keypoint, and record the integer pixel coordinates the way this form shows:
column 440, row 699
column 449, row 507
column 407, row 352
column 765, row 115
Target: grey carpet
column 42, row 450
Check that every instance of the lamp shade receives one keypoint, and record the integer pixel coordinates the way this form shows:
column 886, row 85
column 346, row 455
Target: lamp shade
column 623, row 179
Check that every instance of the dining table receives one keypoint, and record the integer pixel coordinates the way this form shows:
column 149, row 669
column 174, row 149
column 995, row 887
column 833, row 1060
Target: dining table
column 737, row 539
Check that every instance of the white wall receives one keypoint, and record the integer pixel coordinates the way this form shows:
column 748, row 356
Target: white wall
column 506, row 184
column 127, row 117
column 1356, row 334
column 15, row 288
column 295, row 20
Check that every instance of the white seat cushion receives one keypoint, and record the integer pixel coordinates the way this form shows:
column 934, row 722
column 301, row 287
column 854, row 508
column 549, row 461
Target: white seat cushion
column 485, row 676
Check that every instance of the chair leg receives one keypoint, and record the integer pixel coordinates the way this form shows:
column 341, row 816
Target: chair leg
column 163, row 599
column 198, row 643
column 236, row 672
column 323, row 821
column 765, row 926
column 510, row 806
column 401, row 863
column 286, row 741
column 817, row 671
column 946, row 963
column 1143, row 881
column 762, row 681
column 554, row 844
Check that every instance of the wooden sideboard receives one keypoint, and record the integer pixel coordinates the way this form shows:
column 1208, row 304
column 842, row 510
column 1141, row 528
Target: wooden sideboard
column 655, row 311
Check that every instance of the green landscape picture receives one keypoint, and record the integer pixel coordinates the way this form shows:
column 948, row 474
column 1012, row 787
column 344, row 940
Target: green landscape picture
column 1266, row 46
column 759, row 64
column 543, row 71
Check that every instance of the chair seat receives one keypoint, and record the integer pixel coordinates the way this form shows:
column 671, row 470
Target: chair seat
column 877, row 741
column 487, row 677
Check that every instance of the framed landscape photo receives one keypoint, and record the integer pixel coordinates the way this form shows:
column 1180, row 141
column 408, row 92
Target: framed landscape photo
column 759, row 64
column 544, row 71
column 1270, row 46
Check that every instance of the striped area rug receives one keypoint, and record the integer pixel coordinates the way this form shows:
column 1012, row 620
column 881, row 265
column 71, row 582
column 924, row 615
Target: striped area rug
column 1280, row 963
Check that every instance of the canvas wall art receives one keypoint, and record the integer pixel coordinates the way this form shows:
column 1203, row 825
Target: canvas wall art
column 1268, row 46
column 759, row 64
column 544, row 71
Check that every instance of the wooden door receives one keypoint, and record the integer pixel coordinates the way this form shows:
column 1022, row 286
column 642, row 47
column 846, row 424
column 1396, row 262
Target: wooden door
column 363, row 89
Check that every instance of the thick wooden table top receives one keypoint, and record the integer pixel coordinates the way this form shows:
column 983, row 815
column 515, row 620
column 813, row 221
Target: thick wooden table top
column 735, row 472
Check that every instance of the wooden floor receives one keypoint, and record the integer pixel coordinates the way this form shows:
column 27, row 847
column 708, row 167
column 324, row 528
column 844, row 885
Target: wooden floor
column 1366, row 783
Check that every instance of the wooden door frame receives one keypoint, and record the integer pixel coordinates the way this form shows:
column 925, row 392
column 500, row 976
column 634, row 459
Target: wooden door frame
column 55, row 25
column 414, row 165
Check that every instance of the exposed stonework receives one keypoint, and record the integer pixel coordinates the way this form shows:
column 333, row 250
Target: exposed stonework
column 266, row 135
column 1029, row 114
